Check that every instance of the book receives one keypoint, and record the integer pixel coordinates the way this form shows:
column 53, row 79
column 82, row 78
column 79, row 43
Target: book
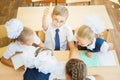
column 17, row 61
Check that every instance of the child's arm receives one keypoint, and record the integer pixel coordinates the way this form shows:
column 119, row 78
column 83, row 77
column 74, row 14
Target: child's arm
column 72, row 49
column 106, row 47
column 37, row 41
column 41, row 44
column 7, row 62
column 45, row 19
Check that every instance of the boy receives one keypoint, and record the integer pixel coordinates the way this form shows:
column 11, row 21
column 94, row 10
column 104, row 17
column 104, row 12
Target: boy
column 57, row 34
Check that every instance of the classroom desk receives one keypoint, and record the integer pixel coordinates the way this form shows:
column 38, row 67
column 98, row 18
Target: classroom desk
column 108, row 72
column 64, row 56
column 32, row 16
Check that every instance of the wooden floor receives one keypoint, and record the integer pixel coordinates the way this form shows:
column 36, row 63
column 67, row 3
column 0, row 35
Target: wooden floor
column 113, row 11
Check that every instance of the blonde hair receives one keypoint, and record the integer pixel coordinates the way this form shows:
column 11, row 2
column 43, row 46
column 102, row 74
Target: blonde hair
column 25, row 34
column 60, row 10
column 76, row 69
column 85, row 32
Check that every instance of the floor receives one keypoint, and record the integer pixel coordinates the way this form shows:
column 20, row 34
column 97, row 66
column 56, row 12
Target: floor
column 8, row 9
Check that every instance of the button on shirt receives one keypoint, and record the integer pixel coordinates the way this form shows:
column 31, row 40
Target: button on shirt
column 65, row 35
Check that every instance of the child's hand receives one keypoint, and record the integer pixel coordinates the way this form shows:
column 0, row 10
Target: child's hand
column 48, row 10
column 90, row 54
column 110, row 46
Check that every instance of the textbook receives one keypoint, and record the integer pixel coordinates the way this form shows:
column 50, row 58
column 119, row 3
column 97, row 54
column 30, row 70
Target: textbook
column 17, row 61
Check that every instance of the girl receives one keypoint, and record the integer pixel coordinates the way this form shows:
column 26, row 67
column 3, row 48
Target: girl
column 23, row 39
column 76, row 69
column 86, row 36
column 41, row 66
column 87, row 41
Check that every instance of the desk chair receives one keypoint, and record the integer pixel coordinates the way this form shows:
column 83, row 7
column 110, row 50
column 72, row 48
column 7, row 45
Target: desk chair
column 33, row 2
column 78, row 2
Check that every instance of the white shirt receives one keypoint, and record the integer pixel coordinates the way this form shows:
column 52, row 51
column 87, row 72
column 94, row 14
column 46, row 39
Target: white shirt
column 65, row 35
column 17, row 47
column 104, row 48
column 91, row 77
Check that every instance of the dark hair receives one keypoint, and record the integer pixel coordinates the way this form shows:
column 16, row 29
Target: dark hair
column 76, row 69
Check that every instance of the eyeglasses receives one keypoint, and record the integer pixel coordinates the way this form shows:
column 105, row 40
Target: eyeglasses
column 57, row 21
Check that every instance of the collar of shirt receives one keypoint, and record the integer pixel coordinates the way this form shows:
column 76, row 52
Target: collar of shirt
column 92, row 46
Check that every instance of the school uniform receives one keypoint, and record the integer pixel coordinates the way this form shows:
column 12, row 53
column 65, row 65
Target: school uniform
column 17, row 47
column 34, row 74
column 39, row 67
column 65, row 36
column 98, row 45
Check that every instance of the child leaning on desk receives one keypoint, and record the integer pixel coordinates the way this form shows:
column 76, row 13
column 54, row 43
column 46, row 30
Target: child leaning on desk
column 76, row 69
column 23, row 39
column 57, row 35
column 87, row 40
column 40, row 66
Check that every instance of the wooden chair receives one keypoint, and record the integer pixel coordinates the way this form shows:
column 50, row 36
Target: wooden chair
column 78, row 2
column 33, row 2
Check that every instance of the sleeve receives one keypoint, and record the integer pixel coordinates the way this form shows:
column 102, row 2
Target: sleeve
column 49, row 28
column 10, row 51
column 104, row 48
column 70, row 36
column 90, row 78
column 37, row 39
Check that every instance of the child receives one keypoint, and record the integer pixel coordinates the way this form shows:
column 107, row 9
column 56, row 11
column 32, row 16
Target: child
column 41, row 67
column 23, row 39
column 76, row 69
column 87, row 40
column 57, row 33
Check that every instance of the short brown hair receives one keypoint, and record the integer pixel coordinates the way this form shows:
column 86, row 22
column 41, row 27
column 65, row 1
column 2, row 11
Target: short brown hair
column 23, row 37
column 60, row 10
column 86, row 32
column 76, row 69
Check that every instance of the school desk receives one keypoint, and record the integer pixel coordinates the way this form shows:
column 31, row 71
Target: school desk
column 108, row 72
column 32, row 16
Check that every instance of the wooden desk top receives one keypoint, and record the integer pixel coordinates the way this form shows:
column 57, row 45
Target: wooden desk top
column 32, row 16
column 108, row 72
column 64, row 56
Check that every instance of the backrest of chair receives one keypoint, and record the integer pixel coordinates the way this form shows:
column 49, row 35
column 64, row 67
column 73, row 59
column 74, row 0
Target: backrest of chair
column 4, row 40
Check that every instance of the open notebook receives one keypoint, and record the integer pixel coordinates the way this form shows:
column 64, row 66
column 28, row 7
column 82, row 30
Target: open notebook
column 17, row 61
column 101, row 59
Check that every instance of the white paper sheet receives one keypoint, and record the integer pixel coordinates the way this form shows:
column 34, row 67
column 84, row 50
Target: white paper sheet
column 17, row 61
column 107, row 59
column 59, row 71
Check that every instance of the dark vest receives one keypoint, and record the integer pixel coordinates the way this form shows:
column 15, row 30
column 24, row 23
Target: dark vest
column 98, row 45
